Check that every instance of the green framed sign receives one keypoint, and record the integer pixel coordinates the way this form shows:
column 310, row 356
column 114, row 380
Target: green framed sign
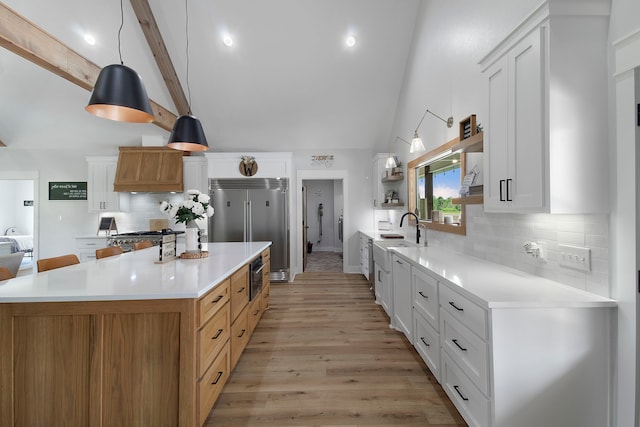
column 68, row 190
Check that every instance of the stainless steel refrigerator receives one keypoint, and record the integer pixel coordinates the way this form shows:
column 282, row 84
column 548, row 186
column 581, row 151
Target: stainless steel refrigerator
column 253, row 210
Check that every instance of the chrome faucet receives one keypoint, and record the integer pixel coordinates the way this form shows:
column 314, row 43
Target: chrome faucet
column 417, row 225
column 6, row 232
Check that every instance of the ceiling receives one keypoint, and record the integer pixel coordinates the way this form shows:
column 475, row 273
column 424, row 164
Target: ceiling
column 289, row 82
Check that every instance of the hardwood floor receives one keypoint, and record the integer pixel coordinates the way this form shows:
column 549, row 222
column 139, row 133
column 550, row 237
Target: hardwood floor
column 324, row 355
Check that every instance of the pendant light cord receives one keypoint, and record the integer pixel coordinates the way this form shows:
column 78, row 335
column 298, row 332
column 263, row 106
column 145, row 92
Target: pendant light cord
column 186, row 31
column 120, row 30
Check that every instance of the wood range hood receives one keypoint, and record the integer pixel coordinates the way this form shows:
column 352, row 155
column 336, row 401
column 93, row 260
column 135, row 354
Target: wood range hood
column 148, row 169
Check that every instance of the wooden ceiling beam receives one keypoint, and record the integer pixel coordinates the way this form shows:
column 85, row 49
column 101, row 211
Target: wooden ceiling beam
column 158, row 48
column 29, row 41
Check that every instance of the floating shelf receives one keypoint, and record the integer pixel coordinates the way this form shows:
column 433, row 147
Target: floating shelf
column 472, row 144
column 478, row 199
column 393, row 205
column 393, row 178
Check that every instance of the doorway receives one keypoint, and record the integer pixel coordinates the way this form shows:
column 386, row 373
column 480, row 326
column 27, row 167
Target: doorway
column 322, row 220
column 323, row 214
column 19, row 213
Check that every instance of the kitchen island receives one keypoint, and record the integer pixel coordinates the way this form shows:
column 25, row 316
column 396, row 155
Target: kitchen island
column 124, row 340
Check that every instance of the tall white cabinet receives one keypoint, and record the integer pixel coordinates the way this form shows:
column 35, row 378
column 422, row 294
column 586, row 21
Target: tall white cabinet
column 100, row 194
column 546, row 125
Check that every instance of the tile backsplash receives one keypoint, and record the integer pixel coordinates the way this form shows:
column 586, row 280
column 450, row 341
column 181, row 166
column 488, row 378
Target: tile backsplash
column 500, row 238
column 142, row 208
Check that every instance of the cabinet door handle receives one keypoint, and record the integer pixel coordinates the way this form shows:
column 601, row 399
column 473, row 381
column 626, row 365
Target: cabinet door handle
column 455, row 341
column 453, row 304
column 509, row 185
column 256, row 313
column 217, row 299
column 379, row 279
column 242, row 333
column 399, row 262
column 425, row 343
column 460, row 394
column 241, row 290
column 502, row 182
column 218, row 334
column 217, row 378
column 423, row 295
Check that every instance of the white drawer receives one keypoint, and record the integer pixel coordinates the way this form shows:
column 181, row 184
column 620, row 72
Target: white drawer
column 425, row 297
column 466, row 349
column 466, row 312
column 91, row 242
column 427, row 343
column 472, row 405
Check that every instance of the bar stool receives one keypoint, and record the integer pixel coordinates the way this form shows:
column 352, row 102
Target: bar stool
column 108, row 251
column 5, row 274
column 45, row 264
column 143, row 244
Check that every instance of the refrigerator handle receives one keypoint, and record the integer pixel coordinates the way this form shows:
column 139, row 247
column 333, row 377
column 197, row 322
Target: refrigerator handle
column 244, row 212
column 249, row 223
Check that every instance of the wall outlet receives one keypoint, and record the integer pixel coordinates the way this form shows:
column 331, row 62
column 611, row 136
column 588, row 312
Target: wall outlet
column 576, row 257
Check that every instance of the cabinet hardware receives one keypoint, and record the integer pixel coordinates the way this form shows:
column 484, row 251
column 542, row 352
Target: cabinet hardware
column 399, row 262
column 241, row 290
column 217, row 299
column 502, row 181
column 217, row 378
column 455, row 341
column 509, row 199
column 460, row 394
column 423, row 295
column 452, row 304
column 218, row 334
column 256, row 313
column 379, row 279
column 242, row 333
column 425, row 343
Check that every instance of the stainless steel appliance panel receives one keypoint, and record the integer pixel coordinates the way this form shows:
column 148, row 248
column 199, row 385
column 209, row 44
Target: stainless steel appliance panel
column 230, row 213
column 253, row 210
column 268, row 222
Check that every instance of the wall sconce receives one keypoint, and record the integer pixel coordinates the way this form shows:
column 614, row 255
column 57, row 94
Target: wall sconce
column 391, row 160
column 416, row 142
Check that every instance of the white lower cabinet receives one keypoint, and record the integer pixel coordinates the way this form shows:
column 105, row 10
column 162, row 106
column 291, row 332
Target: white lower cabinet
column 402, row 319
column 519, row 363
column 382, row 287
column 470, row 402
column 427, row 343
column 87, row 246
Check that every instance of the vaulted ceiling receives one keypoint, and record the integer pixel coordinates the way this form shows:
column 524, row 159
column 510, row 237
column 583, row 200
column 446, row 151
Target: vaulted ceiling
column 288, row 81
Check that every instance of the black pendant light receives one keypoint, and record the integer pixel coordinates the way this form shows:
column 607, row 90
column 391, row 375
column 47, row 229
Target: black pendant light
column 119, row 93
column 187, row 133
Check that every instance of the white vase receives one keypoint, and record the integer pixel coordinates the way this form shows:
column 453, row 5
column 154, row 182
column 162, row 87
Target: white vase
column 192, row 238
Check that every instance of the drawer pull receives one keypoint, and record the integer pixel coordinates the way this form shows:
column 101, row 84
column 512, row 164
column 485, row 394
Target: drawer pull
column 425, row 343
column 256, row 313
column 217, row 299
column 423, row 295
column 217, row 378
column 242, row 333
column 452, row 304
column 399, row 262
column 241, row 290
column 455, row 341
column 460, row 394
column 218, row 334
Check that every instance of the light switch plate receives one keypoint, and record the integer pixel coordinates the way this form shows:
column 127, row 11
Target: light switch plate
column 576, row 257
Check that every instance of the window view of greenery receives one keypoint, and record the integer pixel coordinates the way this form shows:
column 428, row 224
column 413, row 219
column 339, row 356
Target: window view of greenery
column 436, row 189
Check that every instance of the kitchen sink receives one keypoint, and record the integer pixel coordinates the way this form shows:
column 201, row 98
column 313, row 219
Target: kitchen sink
column 382, row 254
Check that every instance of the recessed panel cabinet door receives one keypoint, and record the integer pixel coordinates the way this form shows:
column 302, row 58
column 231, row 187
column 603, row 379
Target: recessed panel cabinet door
column 515, row 145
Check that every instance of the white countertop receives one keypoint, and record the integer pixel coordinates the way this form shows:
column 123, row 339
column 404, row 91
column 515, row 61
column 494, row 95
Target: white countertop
column 133, row 275
column 495, row 286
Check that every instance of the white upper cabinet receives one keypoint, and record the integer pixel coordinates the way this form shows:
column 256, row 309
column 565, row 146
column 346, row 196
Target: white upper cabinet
column 100, row 194
column 545, row 144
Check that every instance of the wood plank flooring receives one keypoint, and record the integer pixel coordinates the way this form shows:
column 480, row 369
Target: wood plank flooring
column 324, row 355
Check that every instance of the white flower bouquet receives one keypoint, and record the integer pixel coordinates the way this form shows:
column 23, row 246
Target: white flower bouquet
column 196, row 206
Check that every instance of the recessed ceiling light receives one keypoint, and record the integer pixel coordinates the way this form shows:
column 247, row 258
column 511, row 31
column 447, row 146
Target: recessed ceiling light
column 350, row 41
column 227, row 40
column 89, row 39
